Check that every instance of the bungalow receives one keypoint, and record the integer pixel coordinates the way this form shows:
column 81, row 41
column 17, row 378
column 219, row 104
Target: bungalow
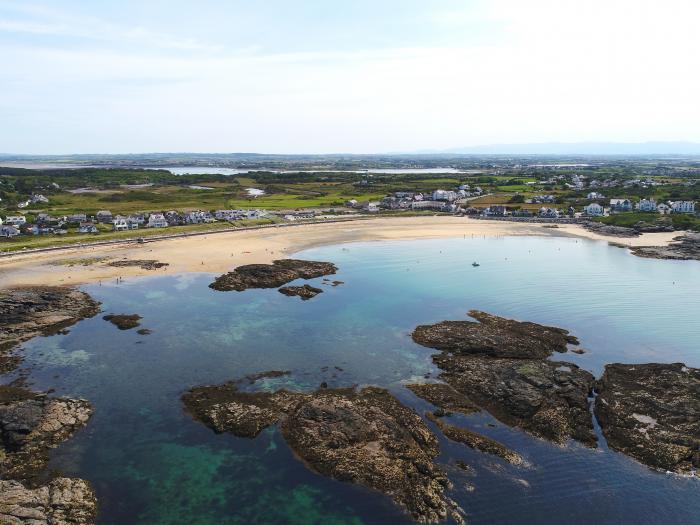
column 593, row 210
column 104, row 216
column 495, row 211
column 620, row 205
column 87, row 227
column 76, row 218
column 646, row 205
column 198, row 217
column 543, row 199
column 595, row 195
column 157, row 220
column 229, row 215
column 8, row 231
column 39, row 199
column 683, row 206
column 15, row 220
column 371, row 206
column 352, row 203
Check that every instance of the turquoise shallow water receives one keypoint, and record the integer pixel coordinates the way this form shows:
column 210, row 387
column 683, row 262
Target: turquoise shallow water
column 151, row 464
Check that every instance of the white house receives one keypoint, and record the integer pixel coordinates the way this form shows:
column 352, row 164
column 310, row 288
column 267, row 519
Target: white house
column 157, row 220
column 620, row 205
column 8, row 231
column 16, row 220
column 683, row 206
column 444, row 195
column 550, row 213
column 646, row 205
column 663, row 209
column 198, row 217
column 39, row 199
column 87, row 227
column 371, row 206
column 122, row 224
column 593, row 209
column 595, row 195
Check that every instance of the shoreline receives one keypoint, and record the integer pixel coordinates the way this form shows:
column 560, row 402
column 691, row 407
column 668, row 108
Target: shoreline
column 219, row 252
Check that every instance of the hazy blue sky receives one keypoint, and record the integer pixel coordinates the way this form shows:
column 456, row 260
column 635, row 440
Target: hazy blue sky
column 310, row 76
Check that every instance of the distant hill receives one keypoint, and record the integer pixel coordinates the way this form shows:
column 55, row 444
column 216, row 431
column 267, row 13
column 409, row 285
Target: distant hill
column 581, row 148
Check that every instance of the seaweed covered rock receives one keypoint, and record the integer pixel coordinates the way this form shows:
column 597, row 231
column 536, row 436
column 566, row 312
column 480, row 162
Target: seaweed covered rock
column 305, row 291
column 33, row 423
column 548, row 399
column 279, row 273
column 494, row 336
column 652, row 413
column 62, row 501
column 43, row 310
column 360, row 436
column 124, row 321
column 144, row 264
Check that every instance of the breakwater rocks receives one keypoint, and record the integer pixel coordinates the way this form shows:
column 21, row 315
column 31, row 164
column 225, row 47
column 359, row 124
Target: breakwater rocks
column 279, row 273
column 305, row 291
column 652, row 413
column 360, row 436
column 683, row 248
column 29, row 312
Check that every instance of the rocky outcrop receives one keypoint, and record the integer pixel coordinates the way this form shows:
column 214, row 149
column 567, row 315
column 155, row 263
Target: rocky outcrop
column 29, row 312
column 273, row 275
column 500, row 365
column 359, row 436
column 31, row 424
column 305, row 291
column 683, row 248
column 444, row 397
column 548, row 399
column 62, row 501
column 652, row 413
column 494, row 336
column 610, row 230
column 476, row 441
column 144, row 264
column 124, row 321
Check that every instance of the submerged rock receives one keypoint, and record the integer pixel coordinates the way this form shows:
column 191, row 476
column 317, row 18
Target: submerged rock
column 273, row 275
column 31, row 424
column 124, row 321
column 494, row 336
column 62, row 501
column 683, row 248
column 305, row 291
column 365, row 437
column 652, row 413
column 548, row 399
column 145, row 264
column 43, row 310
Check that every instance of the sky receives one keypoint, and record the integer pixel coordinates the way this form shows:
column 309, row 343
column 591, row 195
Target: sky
column 341, row 76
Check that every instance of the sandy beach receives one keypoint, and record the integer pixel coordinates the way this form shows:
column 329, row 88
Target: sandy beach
column 220, row 252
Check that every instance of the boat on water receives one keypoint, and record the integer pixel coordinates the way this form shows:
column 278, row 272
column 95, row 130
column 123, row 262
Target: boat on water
column 475, row 264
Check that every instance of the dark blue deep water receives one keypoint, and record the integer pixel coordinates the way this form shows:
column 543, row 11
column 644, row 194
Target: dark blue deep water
column 151, row 464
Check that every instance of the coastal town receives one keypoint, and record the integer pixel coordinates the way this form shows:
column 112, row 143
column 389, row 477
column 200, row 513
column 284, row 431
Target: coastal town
column 562, row 197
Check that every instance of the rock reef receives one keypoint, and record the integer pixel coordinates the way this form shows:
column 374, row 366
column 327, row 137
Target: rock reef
column 494, row 336
column 124, row 321
column 360, row 436
column 144, row 264
column 683, row 248
column 652, row 413
column 305, row 291
column 500, row 365
column 610, row 230
column 279, row 273
column 62, row 501
column 32, row 311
